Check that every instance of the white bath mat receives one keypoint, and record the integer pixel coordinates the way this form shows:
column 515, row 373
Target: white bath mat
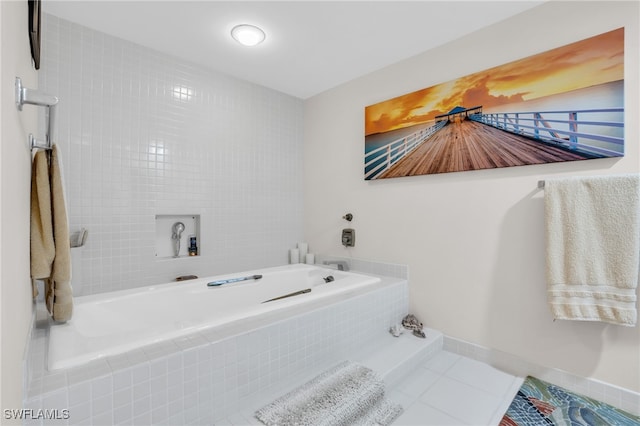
column 347, row 394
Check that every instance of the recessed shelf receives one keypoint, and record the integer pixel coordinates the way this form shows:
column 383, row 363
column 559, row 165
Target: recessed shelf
column 165, row 244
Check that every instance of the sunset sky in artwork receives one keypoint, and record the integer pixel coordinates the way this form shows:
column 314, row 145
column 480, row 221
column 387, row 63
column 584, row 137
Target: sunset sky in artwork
column 588, row 62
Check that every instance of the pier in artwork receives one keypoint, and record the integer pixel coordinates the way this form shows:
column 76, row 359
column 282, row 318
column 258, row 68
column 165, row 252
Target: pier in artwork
column 468, row 139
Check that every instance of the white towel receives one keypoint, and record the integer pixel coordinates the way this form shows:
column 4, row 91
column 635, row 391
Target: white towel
column 593, row 247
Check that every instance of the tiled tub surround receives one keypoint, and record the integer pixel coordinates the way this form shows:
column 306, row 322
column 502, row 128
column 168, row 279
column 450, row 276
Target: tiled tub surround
column 209, row 375
column 141, row 134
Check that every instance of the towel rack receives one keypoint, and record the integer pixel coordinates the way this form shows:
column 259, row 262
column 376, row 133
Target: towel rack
column 34, row 97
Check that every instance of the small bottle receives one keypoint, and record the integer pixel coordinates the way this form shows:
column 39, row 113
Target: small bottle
column 193, row 245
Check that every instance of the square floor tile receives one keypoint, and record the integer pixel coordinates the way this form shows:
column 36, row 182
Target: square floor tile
column 506, row 400
column 481, row 376
column 441, row 361
column 417, row 382
column 461, row 401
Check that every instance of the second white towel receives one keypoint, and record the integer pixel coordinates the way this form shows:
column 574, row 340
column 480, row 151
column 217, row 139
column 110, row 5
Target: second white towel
column 593, row 247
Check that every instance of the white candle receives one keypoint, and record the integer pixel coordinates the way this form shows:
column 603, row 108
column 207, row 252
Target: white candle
column 311, row 258
column 294, row 256
column 303, row 248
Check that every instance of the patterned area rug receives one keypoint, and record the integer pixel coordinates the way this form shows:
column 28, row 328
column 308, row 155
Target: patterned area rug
column 541, row 403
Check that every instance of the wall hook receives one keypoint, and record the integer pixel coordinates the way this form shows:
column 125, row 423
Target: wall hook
column 26, row 96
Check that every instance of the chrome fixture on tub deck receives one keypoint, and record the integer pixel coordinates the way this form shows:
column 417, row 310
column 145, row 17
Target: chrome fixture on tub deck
column 340, row 264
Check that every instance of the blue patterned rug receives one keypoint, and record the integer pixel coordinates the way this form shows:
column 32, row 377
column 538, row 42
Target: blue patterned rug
column 541, row 403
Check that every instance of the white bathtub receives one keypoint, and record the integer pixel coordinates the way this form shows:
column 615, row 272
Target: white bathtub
column 114, row 323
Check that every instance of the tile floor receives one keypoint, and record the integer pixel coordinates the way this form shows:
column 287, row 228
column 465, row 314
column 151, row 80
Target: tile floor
column 447, row 389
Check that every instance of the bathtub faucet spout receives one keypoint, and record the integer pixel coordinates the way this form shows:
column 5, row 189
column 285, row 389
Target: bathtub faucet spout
column 340, row 264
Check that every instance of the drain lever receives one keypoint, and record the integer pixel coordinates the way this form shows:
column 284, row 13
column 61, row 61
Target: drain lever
column 295, row 293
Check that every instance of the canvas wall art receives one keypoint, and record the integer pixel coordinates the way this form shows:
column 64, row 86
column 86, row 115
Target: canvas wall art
column 565, row 104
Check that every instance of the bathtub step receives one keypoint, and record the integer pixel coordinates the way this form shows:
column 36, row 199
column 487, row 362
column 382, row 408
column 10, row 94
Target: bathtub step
column 391, row 357
column 398, row 356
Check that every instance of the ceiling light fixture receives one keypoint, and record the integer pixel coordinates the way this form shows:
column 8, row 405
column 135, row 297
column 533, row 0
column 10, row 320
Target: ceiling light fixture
column 247, row 35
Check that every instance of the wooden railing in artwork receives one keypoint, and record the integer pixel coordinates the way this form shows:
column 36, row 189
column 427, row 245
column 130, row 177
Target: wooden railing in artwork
column 571, row 129
column 382, row 158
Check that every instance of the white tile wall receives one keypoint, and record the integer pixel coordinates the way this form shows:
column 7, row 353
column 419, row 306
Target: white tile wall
column 142, row 133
